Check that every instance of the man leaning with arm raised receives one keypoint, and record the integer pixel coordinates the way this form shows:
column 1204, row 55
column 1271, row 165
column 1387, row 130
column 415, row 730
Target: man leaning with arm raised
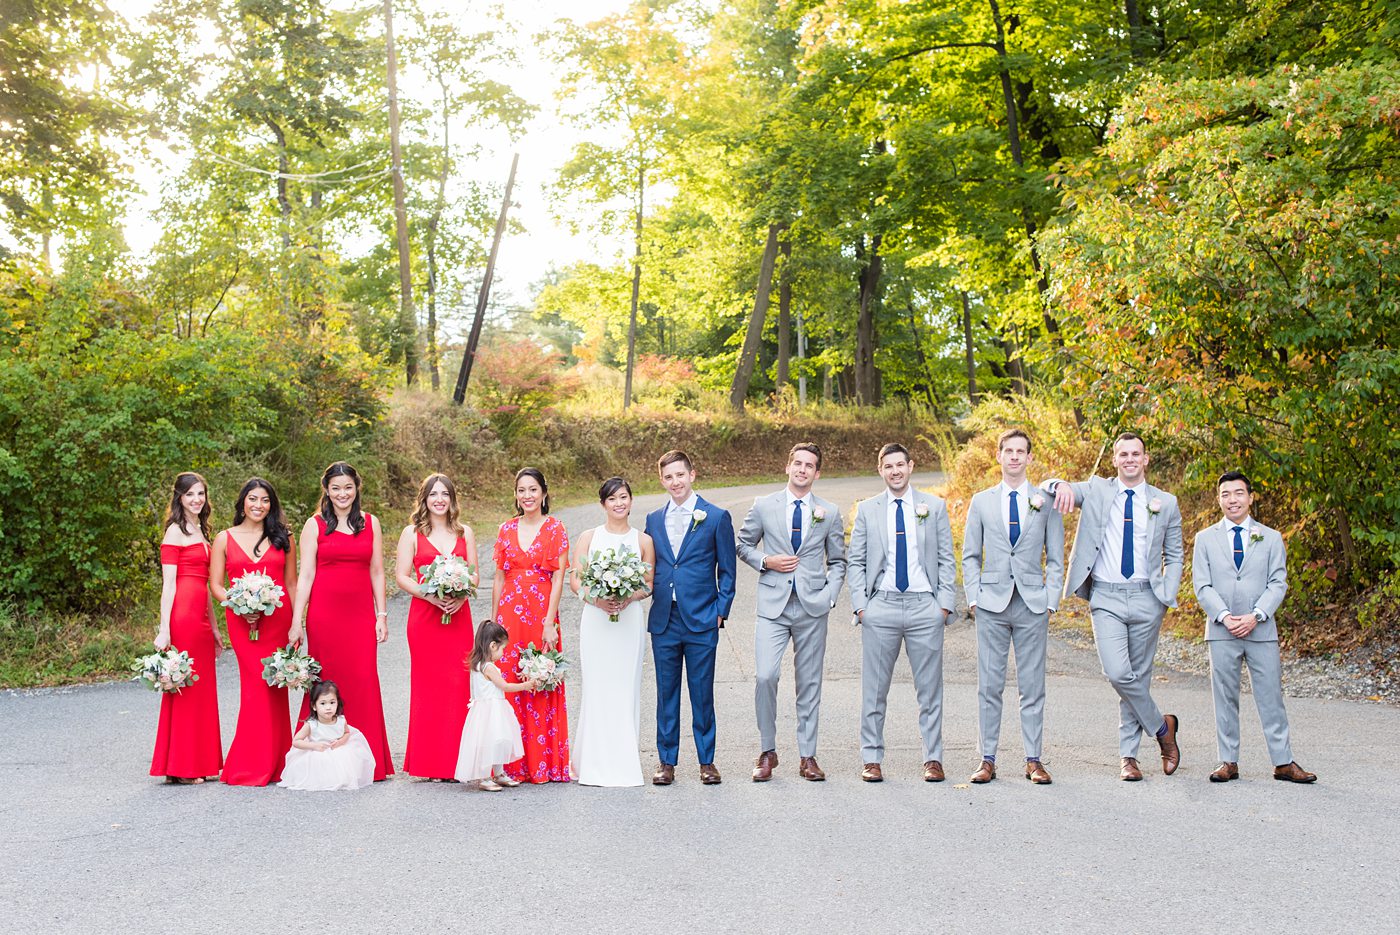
column 1127, row 563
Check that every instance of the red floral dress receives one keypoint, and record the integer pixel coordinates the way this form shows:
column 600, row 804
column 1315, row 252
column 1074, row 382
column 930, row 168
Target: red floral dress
column 522, row 604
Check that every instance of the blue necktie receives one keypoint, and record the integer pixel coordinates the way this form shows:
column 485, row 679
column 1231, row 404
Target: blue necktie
column 1127, row 565
column 1239, row 546
column 1015, row 519
column 796, row 525
column 901, row 551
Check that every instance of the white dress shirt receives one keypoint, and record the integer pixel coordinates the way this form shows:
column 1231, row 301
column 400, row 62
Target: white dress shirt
column 678, row 521
column 1248, row 524
column 806, row 520
column 918, row 579
column 1023, row 496
column 1109, row 565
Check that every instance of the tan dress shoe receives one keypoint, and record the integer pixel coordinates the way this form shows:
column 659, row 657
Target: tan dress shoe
column 1129, row 771
column 933, row 771
column 985, row 773
column 1292, row 772
column 1037, row 773
column 1225, row 772
column 1171, row 753
column 870, row 772
column 809, row 770
column 763, row 766
column 665, row 775
column 709, row 775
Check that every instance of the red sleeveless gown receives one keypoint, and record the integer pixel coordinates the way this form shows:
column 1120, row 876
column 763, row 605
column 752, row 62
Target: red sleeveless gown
column 264, row 733
column 440, row 685
column 187, row 739
column 340, row 634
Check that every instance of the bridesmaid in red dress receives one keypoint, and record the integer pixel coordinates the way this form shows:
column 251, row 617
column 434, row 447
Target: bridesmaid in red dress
column 260, row 541
column 531, row 554
column 340, row 598
column 188, row 747
column 440, row 683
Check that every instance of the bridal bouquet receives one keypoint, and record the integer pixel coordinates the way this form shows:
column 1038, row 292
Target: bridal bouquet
column 253, row 593
column 612, row 574
column 447, row 577
column 291, row 667
column 167, row 671
column 548, row 667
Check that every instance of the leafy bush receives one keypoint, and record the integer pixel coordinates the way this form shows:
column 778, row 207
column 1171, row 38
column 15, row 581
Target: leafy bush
column 515, row 383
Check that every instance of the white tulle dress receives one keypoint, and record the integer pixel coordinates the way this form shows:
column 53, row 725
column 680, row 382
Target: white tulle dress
column 491, row 734
column 350, row 766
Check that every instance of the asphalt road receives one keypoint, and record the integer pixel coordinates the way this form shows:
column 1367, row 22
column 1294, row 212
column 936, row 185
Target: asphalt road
column 90, row 843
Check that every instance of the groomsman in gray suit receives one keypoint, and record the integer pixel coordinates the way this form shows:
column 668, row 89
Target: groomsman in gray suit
column 901, row 573
column 1239, row 568
column 1127, row 563
column 1011, row 596
column 800, row 572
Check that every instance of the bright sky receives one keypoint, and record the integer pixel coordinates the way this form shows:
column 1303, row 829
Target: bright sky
column 524, row 257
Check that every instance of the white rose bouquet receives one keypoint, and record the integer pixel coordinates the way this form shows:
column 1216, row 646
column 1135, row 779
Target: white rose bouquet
column 546, row 667
column 252, row 596
column 291, row 667
column 167, row 671
column 613, row 574
column 447, row 577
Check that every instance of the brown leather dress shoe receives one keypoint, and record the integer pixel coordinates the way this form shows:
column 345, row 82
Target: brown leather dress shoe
column 1292, row 772
column 809, row 770
column 709, row 775
column 1225, row 772
column 763, row 766
column 1129, row 771
column 1036, row 773
column 985, row 773
column 1171, row 753
column 870, row 772
column 665, row 775
column 933, row 771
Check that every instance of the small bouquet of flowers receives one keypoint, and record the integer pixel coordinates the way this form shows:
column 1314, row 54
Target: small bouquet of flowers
column 291, row 667
column 612, row 574
column 253, row 595
column 448, row 577
column 547, row 667
column 167, row 671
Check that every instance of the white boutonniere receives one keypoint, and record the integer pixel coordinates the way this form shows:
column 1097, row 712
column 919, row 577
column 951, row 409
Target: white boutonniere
column 818, row 515
column 921, row 512
column 1255, row 537
column 697, row 517
column 1154, row 506
column 1036, row 502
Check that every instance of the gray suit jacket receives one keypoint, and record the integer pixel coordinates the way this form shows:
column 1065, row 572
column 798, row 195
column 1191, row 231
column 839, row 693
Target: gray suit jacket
column 993, row 567
column 1166, row 551
column 870, row 541
column 1260, row 582
column 821, row 557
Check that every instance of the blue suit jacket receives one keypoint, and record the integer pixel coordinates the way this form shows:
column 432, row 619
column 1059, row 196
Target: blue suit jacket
column 701, row 576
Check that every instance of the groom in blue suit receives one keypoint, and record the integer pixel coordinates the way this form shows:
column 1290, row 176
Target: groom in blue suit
column 693, row 588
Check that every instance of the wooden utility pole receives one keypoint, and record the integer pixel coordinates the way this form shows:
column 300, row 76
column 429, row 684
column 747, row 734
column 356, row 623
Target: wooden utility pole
column 408, row 319
column 753, row 336
column 459, row 393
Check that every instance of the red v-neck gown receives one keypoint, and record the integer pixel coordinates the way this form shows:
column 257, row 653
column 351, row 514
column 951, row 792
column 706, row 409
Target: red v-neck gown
column 543, row 716
column 439, row 683
column 187, row 739
column 264, row 733
column 340, row 634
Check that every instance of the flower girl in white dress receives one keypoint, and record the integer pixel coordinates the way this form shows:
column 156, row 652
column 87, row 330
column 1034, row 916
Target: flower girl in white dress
column 491, row 734
column 327, row 753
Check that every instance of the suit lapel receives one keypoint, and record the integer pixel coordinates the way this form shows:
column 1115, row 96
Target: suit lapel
column 1148, row 492
column 700, row 504
column 662, row 535
column 1250, row 547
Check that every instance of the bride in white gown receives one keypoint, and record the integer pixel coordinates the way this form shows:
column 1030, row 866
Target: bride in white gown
column 605, row 743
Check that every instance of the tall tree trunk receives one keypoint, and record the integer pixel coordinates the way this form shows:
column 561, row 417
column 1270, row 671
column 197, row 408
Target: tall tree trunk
column 408, row 319
column 434, row 222
column 1013, row 139
column 867, row 378
column 923, row 359
column 784, row 315
column 826, row 383
column 1136, row 36
column 636, row 289
column 753, row 334
column 971, row 358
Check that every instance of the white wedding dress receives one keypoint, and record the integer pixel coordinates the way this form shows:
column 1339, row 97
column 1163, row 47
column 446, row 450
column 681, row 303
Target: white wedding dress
column 605, row 744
